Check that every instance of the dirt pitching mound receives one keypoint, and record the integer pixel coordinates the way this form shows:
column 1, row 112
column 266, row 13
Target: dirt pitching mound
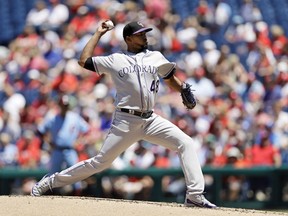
column 83, row 206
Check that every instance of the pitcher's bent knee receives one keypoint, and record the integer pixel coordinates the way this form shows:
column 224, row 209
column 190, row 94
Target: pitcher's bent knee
column 99, row 163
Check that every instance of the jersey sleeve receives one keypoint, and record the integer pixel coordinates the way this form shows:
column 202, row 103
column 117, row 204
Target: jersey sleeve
column 84, row 126
column 45, row 125
column 103, row 64
column 165, row 67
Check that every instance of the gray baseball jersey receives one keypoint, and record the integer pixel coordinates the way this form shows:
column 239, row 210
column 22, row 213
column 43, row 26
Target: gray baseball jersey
column 135, row 77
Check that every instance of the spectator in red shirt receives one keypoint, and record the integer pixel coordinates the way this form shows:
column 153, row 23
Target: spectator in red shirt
column 65, row 82
column 278, row 39
column 263, row 154
column 29, row 150
column 262, row 34
column 83, row 21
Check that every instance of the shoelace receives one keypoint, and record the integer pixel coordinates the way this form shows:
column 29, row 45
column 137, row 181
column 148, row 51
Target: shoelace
column 200, row 198
column 45, row 183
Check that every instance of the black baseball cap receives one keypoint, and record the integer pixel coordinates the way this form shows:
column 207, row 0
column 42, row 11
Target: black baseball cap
column 134, row 28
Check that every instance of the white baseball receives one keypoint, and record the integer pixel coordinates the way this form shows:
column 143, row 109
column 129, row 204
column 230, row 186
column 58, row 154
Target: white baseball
column 109, row 24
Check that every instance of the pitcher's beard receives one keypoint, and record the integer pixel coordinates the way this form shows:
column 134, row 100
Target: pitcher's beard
column 144, row 47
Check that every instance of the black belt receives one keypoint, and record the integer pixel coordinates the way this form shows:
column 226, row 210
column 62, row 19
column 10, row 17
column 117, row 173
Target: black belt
column 61, row 148
column 146, row 114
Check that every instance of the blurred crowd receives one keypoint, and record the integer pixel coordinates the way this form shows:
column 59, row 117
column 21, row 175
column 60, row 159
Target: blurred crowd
column 236, row 62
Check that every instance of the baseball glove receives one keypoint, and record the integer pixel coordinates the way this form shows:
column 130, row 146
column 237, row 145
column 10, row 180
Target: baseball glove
column 188, row 98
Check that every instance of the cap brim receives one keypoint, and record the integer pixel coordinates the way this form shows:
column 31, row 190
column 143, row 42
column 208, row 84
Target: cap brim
column 143, row 30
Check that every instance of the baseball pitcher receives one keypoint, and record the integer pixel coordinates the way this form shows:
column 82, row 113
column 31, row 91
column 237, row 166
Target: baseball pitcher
column 135, row 73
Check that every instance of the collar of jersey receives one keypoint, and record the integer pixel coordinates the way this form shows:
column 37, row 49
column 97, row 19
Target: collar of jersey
column 132, row 54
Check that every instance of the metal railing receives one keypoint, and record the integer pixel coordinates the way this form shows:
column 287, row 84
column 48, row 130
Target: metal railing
column 277, row 178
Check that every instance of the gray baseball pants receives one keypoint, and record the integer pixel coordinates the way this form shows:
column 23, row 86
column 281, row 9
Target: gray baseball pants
column 126, row 129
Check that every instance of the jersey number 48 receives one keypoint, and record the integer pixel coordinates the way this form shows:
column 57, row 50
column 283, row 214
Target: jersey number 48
column 154, row 86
